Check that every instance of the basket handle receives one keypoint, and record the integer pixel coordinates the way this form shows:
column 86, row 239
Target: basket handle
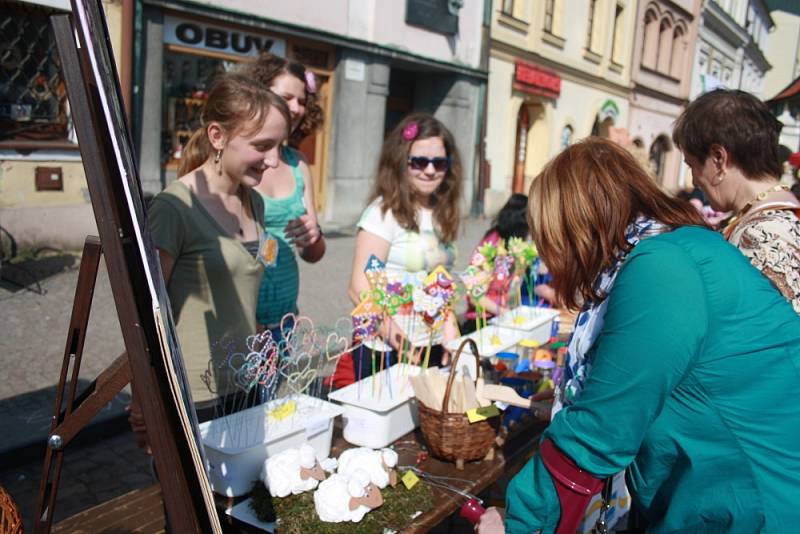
column 453, row 369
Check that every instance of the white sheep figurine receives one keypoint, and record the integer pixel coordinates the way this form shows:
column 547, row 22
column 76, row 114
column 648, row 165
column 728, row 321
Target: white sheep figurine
column 292, row 471
column 378, row 464
column 343, row 498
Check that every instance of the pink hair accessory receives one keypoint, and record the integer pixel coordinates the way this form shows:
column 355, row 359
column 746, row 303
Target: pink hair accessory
column 311, row 82
column 410, row 131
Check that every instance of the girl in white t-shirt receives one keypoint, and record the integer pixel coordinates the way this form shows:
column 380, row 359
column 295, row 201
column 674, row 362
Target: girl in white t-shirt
column 413, row 216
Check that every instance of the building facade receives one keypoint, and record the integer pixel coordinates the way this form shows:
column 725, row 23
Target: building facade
column 559, row 71
column 376, row 61
column 730, row 50
column 783, row 53
column 663, row 52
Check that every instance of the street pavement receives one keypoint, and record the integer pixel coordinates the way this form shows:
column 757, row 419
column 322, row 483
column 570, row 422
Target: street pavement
column 104, row 461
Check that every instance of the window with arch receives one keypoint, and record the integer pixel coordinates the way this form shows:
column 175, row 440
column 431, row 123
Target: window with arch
column 650, row 51
column 566, row 136
column 678, row 51
column 664, row 46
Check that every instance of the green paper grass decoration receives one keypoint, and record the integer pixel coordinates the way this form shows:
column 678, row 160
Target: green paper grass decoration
column 296, row 513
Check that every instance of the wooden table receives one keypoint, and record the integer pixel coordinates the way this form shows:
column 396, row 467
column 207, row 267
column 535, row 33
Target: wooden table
column 142, row 511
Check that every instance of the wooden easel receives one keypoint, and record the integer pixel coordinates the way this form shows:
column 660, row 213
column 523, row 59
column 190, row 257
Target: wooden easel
column 137, row 285
column 70, row 415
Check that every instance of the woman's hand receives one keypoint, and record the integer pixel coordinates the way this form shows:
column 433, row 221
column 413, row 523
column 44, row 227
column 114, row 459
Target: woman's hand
column 303, row 231
column 136, row 419
column 491, row 522
column 449, row 333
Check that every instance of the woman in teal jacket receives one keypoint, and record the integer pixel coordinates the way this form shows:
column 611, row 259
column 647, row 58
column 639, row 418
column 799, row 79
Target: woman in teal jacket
column 686, row 364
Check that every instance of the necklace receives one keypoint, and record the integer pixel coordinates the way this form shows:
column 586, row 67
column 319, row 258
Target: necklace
column 758, row 198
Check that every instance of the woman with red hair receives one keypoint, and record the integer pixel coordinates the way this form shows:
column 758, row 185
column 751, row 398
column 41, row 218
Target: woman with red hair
column 681, row 368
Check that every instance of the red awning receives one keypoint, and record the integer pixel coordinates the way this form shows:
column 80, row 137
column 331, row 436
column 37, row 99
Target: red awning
column 792, row 91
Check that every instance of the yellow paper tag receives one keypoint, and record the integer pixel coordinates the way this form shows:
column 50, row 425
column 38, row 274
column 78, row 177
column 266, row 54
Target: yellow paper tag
column 481, row 414
column 410, row 479
column 284, row 410
column 545, row 385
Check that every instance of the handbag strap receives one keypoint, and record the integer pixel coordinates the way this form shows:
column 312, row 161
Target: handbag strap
column 601, row 526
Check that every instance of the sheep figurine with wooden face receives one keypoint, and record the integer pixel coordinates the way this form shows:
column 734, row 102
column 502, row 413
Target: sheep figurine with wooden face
column 343, row 498
column 378, row 464
column 292, row 471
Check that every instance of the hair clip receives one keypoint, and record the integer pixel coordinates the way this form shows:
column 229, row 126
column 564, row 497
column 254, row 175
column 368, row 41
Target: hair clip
column 311, row 82
column 410, row 131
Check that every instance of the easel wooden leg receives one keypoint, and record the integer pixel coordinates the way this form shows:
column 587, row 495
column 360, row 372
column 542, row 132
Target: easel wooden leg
column 70, row 415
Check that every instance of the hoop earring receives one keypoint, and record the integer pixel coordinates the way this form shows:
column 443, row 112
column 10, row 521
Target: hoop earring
column 721, row 178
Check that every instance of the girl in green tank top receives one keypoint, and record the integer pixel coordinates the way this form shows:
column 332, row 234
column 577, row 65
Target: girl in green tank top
column 288, row 192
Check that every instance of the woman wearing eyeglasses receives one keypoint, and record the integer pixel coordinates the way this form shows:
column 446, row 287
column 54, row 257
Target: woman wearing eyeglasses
column 412, row 218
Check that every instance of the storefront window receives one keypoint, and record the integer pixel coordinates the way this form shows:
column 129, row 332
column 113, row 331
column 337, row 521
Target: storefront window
column 33, row 101
column 186, row 81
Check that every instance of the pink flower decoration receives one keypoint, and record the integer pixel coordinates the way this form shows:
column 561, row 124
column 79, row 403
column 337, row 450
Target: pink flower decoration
column 311, row 82
column 410, row 131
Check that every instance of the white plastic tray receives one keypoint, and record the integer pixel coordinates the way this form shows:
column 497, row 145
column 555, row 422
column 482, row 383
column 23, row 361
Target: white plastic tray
column 490, row 340
column 243, row 513
column 375, row 417
column 536, row 323
column 237, row 445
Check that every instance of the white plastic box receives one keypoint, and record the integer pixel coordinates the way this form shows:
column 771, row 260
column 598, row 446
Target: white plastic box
column 375, row 416
column 236, row 445
column 536, row 323
column 490, row 340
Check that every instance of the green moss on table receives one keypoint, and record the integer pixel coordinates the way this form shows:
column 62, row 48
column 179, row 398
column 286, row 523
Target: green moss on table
column 296, row 513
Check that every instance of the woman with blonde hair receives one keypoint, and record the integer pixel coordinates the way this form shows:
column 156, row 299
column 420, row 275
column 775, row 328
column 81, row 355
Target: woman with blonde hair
column 208, row 225
column 679, row 369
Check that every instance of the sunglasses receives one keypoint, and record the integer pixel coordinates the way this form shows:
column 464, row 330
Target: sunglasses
column 420, row 163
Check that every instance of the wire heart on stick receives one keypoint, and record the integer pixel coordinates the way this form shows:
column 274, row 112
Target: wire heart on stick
column 335, row 346
column 299, row 382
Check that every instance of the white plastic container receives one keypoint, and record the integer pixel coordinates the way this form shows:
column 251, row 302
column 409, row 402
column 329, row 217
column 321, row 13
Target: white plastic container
column 237, row 445
column 372, row 416
column 536, row 323
column 490, row 340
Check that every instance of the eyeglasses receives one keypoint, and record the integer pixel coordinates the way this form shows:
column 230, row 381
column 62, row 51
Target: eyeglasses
column 420, row 163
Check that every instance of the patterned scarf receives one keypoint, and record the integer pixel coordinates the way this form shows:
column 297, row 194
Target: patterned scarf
column 591, row 319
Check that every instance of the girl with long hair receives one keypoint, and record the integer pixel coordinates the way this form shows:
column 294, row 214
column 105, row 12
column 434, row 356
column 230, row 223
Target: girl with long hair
column 413, row 215
column 287, row 190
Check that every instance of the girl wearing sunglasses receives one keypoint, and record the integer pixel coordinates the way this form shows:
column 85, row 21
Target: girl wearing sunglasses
column 412, row 218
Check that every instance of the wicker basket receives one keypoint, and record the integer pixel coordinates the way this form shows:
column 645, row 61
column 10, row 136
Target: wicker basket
column 450, row 436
